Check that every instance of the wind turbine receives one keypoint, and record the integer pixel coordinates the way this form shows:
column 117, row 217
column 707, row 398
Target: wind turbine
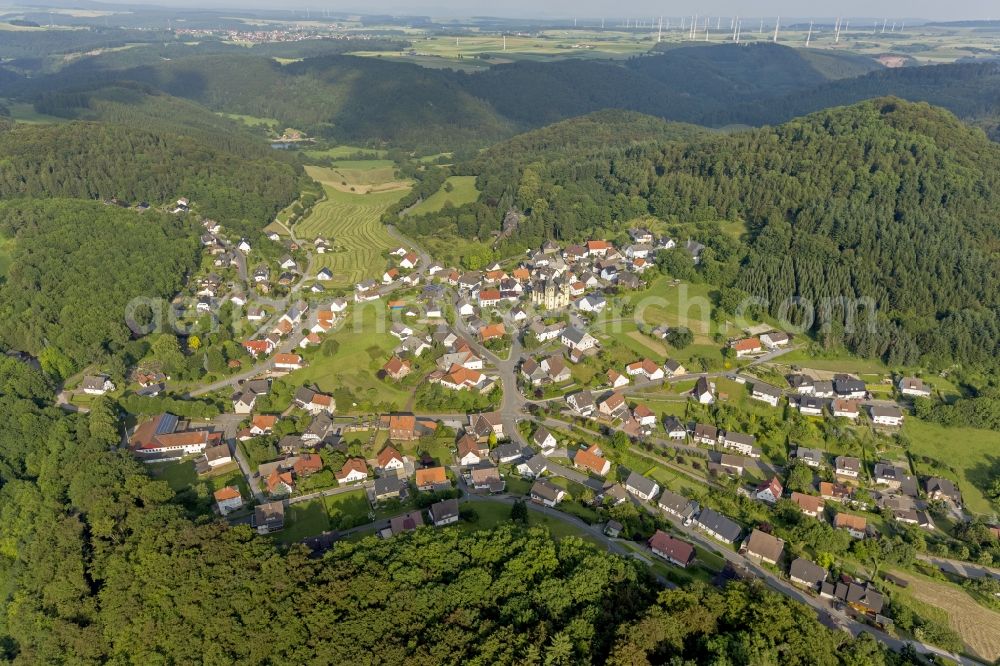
column 837, row 38
column 809, row 34
column 777, row 22
column 659, row 33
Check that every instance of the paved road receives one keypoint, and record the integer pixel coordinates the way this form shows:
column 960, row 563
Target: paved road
column 960, row 568
column 228, row 423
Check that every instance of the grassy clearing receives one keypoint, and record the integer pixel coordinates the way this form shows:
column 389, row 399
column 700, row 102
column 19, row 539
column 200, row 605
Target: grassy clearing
column 362, row 352
column 342, row 152
column 353, row 223
column 970, row 452
column 25, row 113
column 303, row 520
column 463, row 191
column 349, row 508
column 252, row 121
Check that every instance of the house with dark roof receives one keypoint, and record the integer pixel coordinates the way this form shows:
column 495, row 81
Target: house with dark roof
column 677, row 505
column 806, row 573
column 938, row 488
column 718, row 526
column 269, row 518
column 641, row 486
column 444, row 512
column 545, row 492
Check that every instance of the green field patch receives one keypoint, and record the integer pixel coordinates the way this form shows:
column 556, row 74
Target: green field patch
column 302, row 520
column 463, row 191
column 972, row 454
column 362, row 351
column 343, row 152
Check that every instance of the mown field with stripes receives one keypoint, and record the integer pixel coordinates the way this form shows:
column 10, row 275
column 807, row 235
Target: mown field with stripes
column 351, row 222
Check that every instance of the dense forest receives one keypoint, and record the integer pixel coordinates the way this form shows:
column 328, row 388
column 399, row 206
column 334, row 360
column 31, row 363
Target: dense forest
column 102, row 563
column 106, row 160
column 886, row 200
column 75, row 267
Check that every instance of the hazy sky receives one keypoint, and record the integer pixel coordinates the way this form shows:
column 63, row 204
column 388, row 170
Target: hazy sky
column 929, row 9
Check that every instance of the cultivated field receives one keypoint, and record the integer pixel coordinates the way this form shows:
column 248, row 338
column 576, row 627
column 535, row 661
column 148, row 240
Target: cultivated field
column 351, row 222
column 979, row 627
column 463, row 191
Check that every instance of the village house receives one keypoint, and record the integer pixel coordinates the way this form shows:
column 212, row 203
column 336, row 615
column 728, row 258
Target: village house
column 388, row 488
column 486, row 476
column 806, row 573
column 407, row 522
column 581, row 402
column 96, row 385
column 674, row 368
column 847, row 409
column 677, row 505
column 645, row 368
column 547, row 493
column 763, row 547
column 269, row 518
column 886, row 415
column 616, row 380
column 822, row 388
column 555, row 369
column 485, row 424
column 938, row 488
column 856, row 526
column 741, row 443
column 313, row 401
column 429, row 479
column 705, row 434
column 228, row 499
column 671, row 549
column 578, row 340
column 847, row 467
column 775, row 339
column 444, row 513
column 492, row 332
column 593, row 460
column 390, row 460
column 533, row 467
column 642, row 487
column 353, row 471
column 861, row 598
column 644, row 416
column 543, row 439
column 849, row 387
column 288, row 362
column 834, row 492
column 307, row 464
column 810, row 505
column 731, row 464
column 718, row 526
column 506, row 453
column 215, row 457
column 703, row 391
column 396, row 368
column 811, row 457
column 913, row 387
column 746, row 347
column 471, row 451
column 766, row 393
column 810, row 405
column 769, row 491
column 613, row 406
column 674, row 428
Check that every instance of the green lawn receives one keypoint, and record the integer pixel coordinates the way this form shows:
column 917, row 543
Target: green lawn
column 341, row 152
column 362, row 352
column 347, row 509
column 463, row 191
column 303, row 520
column 970, row 452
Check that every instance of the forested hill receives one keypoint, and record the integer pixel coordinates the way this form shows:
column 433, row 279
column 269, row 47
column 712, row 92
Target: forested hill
column 103, row 160
column 887, row 200
column 103, row 564
column 371, row 100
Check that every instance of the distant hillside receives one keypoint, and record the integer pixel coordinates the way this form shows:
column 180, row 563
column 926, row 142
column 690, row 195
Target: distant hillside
column 885, row 200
